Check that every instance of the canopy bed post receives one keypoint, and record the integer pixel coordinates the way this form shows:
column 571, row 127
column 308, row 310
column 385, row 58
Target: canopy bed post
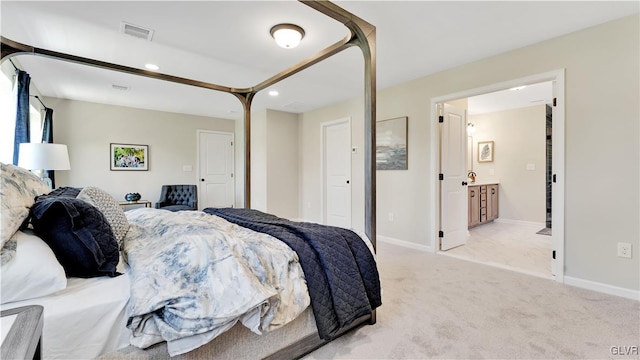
column 363, row 36
column 246, row 98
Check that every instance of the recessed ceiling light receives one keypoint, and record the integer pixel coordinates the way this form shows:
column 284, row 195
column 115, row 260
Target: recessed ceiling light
column 152, row 67
column 273, row 93
column 518, row 88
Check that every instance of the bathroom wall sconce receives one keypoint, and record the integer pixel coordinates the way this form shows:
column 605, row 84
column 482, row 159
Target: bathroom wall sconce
column 287, row 36
column 470, row 128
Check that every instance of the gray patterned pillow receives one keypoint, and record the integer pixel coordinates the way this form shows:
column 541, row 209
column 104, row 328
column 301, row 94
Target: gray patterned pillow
column 109, row 208
column 18, row 189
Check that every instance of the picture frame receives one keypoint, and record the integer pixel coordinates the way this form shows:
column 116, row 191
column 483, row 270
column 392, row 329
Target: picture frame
column 485, row 151
column 129, row 157
column 391, row 144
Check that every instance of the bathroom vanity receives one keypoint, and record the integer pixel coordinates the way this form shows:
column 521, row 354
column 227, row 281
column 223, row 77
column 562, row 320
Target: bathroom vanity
column 483, row 203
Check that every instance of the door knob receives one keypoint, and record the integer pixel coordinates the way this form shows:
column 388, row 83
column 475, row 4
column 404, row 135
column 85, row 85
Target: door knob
column 347, row 181
column 464, row 183
column 201, row 179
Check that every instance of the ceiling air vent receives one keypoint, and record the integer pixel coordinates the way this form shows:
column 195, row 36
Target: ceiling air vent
column 136, row 31
column 120, row 87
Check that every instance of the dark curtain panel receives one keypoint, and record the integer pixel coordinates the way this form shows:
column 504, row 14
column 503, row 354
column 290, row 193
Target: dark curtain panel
column 47, row 137
column 22, row 114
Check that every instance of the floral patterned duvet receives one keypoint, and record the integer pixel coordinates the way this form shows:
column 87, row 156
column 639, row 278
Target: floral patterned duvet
column 195, row 275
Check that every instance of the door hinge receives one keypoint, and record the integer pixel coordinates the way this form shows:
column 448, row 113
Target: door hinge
column 232, row 143
column 553, row 254
column 231, row 174
column 440, row 119
column 554, row 178
column 441, row 234
column 555, row 101
column 440, row 176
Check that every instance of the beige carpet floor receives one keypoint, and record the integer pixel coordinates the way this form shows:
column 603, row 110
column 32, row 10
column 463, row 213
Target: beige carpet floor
column 439, row 307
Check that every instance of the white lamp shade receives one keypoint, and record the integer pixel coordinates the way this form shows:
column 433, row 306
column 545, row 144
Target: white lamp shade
column 44, row 156
column 287, row 36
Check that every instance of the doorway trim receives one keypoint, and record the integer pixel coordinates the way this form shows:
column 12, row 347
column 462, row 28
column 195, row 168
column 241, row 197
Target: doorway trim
column 558, row 154
column 199, row 170
column 323, row 180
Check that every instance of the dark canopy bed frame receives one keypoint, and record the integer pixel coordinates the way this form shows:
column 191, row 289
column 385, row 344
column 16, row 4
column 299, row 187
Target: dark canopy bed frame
column 361, row 34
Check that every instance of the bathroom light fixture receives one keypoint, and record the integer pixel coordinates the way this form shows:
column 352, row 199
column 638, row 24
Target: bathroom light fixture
column 287, row 36
column 470, row 128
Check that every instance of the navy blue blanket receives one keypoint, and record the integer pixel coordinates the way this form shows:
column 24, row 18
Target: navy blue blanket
column 341, row 272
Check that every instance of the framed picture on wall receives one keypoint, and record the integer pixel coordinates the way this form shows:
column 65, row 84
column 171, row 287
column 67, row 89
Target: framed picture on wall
column 391, row 144
column 485, row 151
column 129, row 157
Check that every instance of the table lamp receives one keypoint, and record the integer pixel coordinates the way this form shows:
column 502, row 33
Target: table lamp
column 44, row 156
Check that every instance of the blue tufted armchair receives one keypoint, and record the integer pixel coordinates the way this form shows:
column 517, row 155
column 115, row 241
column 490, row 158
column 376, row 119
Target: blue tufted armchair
column 178, row 197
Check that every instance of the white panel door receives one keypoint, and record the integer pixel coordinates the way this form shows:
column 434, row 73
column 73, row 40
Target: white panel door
column 337, row 173
column 215, row 152
column 453, row 188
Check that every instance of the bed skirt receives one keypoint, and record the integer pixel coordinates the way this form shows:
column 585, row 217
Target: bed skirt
column 236, row 343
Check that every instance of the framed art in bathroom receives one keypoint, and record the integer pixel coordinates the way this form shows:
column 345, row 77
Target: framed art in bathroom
column 485, row 151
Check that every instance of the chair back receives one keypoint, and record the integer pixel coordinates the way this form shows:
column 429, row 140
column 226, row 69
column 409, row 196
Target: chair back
column 179, row 194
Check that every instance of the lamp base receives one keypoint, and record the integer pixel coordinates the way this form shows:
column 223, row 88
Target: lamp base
column 47, row 181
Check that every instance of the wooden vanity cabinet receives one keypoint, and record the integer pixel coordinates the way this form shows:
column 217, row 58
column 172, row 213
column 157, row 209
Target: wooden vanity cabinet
column 474, row 206
column 483, row 204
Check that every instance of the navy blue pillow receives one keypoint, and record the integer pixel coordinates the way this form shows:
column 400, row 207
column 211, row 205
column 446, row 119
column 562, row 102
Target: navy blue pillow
column 79, row 235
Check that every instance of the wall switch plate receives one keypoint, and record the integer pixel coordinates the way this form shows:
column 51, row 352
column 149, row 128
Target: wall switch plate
column 624, row 250
column 531, row 167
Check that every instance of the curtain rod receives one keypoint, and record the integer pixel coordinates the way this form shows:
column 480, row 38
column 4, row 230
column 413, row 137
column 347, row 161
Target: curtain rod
column 43, row 105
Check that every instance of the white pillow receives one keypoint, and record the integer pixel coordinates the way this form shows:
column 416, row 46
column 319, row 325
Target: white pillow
column 33, row 272
column 109, row 207
column 18, row 189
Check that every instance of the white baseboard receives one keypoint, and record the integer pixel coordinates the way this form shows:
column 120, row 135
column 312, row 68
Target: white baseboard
column 520, row 222
column 404, row 243
column 603, row 288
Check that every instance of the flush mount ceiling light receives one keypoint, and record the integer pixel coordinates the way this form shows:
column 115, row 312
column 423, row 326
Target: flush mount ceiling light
column 287, row 36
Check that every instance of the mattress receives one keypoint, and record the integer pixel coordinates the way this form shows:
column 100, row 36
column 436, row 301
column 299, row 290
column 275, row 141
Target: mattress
column 84, row 320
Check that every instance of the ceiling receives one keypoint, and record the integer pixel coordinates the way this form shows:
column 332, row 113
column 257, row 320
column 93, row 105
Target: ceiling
column 228, row 43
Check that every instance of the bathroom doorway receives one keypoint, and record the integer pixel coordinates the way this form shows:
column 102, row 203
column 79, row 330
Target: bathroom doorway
column 512, row 241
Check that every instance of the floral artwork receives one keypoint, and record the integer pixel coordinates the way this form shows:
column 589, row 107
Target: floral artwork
column 129, row 157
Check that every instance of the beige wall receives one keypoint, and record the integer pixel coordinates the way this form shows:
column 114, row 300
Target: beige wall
column 282, row 164
column 602, row 152
column 519, row 140
column 89, row 128
column 259, row 160
column 274, row 163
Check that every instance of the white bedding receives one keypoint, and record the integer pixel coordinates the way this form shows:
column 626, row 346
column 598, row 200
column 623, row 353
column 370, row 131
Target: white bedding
column 86, row 319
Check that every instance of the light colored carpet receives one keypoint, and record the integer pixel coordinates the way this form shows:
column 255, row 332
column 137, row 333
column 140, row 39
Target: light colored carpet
column 439, row 307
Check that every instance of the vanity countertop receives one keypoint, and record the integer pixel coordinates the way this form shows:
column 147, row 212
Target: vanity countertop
column 480, row 183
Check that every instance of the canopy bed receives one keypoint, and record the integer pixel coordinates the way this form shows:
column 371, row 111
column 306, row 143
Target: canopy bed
column 299, row 336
